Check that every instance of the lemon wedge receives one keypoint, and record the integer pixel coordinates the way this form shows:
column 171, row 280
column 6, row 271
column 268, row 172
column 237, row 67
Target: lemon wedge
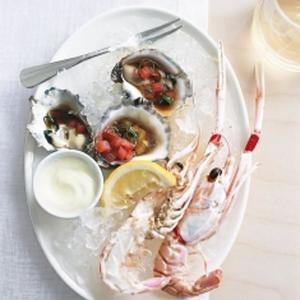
column 132, row 181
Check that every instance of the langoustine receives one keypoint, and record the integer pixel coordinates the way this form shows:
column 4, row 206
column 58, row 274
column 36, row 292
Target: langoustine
column 211, row 202
column 117, row 258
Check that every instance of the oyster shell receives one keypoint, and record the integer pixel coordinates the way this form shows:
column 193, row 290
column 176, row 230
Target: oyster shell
column 57, row 121
column 150, row 129
column 166, row 88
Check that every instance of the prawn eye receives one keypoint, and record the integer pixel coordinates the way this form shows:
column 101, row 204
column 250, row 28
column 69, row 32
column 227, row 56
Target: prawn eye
column 214, row 173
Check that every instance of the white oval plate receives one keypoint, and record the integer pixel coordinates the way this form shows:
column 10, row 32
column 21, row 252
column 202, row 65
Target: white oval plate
column 98, row 33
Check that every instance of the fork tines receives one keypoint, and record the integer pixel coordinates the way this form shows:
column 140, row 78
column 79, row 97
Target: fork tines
column 161, row 31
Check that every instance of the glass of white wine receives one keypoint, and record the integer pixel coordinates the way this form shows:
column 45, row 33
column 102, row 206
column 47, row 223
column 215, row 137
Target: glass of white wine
column 276, row 32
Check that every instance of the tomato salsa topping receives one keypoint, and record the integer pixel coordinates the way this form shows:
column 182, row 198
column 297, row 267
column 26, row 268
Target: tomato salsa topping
column 124, row 139
column 156, row 84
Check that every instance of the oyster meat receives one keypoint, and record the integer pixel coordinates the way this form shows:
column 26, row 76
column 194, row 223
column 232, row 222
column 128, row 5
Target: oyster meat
column 58, row 122
column 151, row 75
column 130, row 132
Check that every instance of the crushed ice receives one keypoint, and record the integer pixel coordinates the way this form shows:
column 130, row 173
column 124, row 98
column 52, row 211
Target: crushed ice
column 90, row 230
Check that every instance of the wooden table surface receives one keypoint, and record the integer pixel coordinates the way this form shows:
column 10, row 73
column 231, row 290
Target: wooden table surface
column 264, row 263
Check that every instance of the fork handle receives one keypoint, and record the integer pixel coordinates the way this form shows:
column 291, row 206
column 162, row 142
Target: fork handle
column 33, row 76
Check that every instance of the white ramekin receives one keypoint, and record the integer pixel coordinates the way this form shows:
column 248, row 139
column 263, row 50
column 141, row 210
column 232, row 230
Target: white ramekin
column 68, row 153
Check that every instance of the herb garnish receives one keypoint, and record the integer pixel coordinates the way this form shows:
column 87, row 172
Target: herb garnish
column 125, row 129
column 132, row 133
column 166, row 100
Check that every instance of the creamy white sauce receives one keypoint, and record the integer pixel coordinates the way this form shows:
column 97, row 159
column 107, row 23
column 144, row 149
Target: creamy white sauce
column 66, row 185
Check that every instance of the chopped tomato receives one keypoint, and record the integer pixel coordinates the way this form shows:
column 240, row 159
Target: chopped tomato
column 108, row 135
column 156, row 76
column 171, row 93
column 122, row 153
column 126, row 144
column 102, row 146
column 109, row 156
column 116, row 142
column 111, row 137
column 145, row 72
column 113, row 147
column 129, row 155
column 80, row 128
column 157, row 87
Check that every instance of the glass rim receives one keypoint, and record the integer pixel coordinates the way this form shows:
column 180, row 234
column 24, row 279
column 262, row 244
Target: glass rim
column 285, row 16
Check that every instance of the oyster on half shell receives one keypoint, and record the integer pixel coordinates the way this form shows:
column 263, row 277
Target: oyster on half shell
column 57, row 121
column 130, row 132
column 151, row 75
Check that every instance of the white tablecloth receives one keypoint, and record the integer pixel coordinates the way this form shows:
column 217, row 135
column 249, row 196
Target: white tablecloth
column 30, row 33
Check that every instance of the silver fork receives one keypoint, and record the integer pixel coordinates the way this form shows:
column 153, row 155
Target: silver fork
column 33, row 76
